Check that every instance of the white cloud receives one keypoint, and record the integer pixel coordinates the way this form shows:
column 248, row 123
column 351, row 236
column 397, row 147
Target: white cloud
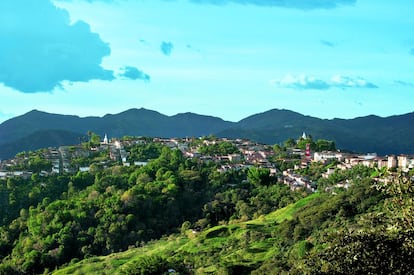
column 341, row 81
column 301, row 82
column 308, row 82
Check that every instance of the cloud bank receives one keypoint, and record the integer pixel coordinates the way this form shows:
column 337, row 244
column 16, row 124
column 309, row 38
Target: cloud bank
column 166, row 48
column 305, row 82
column 134, row 74
column 39, row 48
column 296, row 4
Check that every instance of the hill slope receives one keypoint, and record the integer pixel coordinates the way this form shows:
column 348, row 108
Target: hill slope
column 359, row 231
column 226, row 238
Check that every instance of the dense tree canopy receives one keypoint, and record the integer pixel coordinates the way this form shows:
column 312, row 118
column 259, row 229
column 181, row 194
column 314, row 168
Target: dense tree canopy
column 49, row 221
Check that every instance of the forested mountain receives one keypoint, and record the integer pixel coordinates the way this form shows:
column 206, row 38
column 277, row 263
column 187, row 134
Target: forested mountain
column 389, row 135
column 40, row 139
column 16, row 134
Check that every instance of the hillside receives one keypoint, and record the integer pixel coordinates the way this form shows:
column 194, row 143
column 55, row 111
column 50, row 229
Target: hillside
column 245, row 253
column 190, row 216
column 319, row 234
column 389, row 135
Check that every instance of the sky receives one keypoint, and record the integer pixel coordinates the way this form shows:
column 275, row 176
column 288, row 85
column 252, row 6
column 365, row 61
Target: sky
column 225, row 58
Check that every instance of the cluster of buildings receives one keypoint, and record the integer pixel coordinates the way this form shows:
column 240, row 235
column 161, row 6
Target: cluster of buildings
column 296, row 181
column 347, row 161
column 63, row 159
column 249, row 154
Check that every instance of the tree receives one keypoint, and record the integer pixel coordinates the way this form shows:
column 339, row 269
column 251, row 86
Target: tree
column 37, row 164
column 259, row 176
column 382, row 242
column 185, row 226
column 278, row 149
column 145, row 152
column 95, row 139
column 290, row 143
column 302, row 143
column 325, row 145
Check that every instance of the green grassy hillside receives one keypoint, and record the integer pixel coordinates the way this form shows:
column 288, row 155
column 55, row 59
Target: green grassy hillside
column 242, row 244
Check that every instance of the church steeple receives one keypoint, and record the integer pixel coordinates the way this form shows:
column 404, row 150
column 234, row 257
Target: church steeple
column 304, row 135
column 105, row 140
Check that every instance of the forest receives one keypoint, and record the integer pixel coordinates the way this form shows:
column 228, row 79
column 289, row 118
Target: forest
column 182, row 215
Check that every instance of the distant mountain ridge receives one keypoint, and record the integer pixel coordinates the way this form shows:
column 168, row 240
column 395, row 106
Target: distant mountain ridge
column 37, row 129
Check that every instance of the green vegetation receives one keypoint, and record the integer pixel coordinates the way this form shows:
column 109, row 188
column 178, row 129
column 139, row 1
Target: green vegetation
column 318, row 145
column 184, row 215
column 32, row 161
column 365, row 230
column 52, row 220
column 239, row 246
column 145, row 152
column 219, row 148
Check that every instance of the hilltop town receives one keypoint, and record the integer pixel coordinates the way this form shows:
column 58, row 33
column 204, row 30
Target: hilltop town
column 227, row 154
column 213, row 199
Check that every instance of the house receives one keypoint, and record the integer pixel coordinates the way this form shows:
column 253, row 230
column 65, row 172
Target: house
column 411, row 164
column 234, row 157
column 3, row 174
column 402, row 161
column 327, row 156
column 382, row 162
column 296, row 181
column 84, row 169
column 140, row 163
column 343, row 184
column 329, row 172
column 392, row 162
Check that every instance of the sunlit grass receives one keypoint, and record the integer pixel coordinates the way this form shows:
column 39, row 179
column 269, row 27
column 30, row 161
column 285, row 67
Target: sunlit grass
column 245, row 243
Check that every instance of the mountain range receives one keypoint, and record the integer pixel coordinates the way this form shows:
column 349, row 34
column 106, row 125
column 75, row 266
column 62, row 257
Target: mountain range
column 37, row 129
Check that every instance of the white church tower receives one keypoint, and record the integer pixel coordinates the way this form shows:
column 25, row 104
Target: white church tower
column 304, row 135
column 105, row 140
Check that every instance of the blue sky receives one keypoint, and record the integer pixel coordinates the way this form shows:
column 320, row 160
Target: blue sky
column 226, row 58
